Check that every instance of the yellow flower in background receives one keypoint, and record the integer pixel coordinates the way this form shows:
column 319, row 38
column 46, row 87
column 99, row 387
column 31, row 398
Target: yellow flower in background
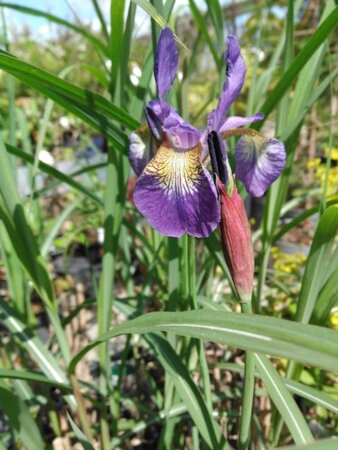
column 333, row 318
column 320, row 172
column 334, row 154
column 313, row 163
column 287, row 263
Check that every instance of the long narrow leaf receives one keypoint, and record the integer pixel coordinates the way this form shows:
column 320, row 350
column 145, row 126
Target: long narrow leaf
column 299, row 62
column 188, row 392
column 283, row 400
column 250, row 332
column 318, row 265
column 51, row 171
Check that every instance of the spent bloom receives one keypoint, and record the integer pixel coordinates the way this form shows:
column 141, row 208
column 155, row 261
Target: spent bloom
column 175, row 191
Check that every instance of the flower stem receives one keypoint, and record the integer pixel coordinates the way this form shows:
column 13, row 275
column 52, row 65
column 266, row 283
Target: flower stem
column 248, row 393
column 199, row 344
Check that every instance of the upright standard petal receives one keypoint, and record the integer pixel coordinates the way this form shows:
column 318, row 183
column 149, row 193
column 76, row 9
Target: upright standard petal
column 177, row 195
column 166, row 61
column 180, row 134
column 235, row 79
column 259, row 162
column 237, row 121
column 157, row 112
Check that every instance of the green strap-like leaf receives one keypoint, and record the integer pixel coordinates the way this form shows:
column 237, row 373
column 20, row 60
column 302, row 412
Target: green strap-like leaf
column 323, row 444
column 51, row 171
column 283, row 400
column 87, row 105
column 156, row 16
column 32, row 344
column 308, row 344
column 80, row 435
column 188, row 392
column 20, row 419
column 33, row 377
column 299, row 62
column 319, row 263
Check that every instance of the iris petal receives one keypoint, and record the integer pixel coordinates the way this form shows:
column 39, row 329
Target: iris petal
column 237, row 121
column 142, row 147
column 177, row 195
column 235, row 79
column 166, row 61
column 259, row 162
column 180, row 134
column 159, row 113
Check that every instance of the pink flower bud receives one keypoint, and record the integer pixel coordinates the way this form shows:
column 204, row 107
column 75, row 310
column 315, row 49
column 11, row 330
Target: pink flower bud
column 236, row 241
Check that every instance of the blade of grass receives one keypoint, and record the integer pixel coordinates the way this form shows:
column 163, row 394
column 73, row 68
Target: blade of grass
column 89, row 106
column 313, row 43
column 157, row 17
column 78, row 433
column 315, row 396
column 31, row 343
column 57, row 224
column 309, row 393
column 201, row 23
column 326, row 300
column 60, row 176
column 20, row 418
column 188, row 392
column 284, row 401
column 116, row 37
column 323, row 444
column 33, row 377
column 16, row 279
column 318, row 266
column 101, row 19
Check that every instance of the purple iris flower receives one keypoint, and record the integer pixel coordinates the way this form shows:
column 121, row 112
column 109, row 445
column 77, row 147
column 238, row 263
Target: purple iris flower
column 175, row 191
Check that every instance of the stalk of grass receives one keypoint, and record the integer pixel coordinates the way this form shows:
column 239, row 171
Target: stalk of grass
column 248, row 392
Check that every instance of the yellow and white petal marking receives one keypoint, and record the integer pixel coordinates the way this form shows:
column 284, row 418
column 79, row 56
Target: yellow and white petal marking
column 177, row 171
column 176, row 193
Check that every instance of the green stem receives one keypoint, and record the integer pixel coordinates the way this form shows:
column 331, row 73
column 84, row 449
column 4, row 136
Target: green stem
column 81, row 409
column 101, row 19
column 248, row 393
column 200, row 348
column 261, row 276
column 113, row 212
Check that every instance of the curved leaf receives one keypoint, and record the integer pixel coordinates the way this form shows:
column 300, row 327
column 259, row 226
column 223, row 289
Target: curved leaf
column 51, row 171
column 250, row 332
column 298, row 63
column 188, row 392
column 87, row 105
column 319, row 263
column 283, row 400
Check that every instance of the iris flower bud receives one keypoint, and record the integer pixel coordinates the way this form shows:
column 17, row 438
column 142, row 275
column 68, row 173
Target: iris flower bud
column 234, row 225
column 236, row 240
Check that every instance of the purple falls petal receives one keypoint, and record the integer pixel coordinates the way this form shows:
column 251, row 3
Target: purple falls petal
column 259, row 162
column 166, row 61
column 177, row 195
column 236, row 121
column 142, row 147
column 235, row 79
